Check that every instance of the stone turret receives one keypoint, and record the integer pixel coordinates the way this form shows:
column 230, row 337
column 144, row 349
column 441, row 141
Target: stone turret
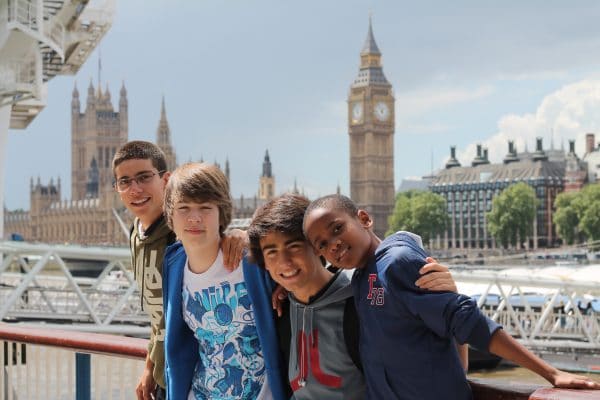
column 91, row 98
column 75, row 103
column 123, row 111
column 163, row 138
column 267, row 180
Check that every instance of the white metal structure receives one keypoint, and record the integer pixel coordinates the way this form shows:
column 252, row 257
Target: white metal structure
column 40, row 39
column 44, row 289
column 549, row 308
column 546, row 308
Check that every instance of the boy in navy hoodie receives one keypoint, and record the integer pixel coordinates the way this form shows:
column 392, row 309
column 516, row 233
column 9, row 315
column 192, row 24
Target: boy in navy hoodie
column 406, row 338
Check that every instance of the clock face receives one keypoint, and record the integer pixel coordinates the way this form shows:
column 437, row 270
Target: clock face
column 382, row 111
column 357, row 112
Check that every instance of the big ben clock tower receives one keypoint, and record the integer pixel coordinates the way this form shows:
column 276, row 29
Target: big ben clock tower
column 371, row 130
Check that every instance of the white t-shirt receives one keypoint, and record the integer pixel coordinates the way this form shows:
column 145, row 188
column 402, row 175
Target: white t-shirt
column 217, row 308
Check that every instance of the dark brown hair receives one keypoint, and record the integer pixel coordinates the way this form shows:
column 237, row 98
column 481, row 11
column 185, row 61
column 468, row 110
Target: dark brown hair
column 283, row 214
column 140, row 150
column 199, row 182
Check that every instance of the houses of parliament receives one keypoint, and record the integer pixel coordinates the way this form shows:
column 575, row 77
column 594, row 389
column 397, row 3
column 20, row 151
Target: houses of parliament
column 95, row 214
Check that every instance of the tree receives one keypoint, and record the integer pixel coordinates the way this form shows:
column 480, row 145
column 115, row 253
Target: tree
column 565, row 216
column 588, row 211
column 511, row 219
column 421, row 212
column 401, row 218
column 590, row 221
column 577, row 214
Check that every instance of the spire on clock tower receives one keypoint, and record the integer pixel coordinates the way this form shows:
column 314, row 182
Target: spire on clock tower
column 370, row 46
column 371, row 71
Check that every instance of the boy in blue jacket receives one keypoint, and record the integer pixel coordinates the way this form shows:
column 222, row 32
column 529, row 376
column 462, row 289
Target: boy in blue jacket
column 406, row 337
column 220, row 340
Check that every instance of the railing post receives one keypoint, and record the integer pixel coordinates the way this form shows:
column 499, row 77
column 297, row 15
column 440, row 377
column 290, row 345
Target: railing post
column 83, row 381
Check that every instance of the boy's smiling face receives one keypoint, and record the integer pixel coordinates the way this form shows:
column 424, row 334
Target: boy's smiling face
column 344, row 240
column 145, row 201
column 291, row 261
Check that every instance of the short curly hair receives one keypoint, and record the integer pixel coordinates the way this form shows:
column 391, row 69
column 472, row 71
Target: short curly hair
column 140, row 150
column 334, row 202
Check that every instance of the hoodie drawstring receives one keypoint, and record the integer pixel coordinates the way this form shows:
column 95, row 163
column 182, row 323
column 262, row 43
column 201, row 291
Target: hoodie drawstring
column 303, row 377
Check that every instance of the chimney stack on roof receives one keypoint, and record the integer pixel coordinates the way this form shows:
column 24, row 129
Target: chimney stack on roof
column 478, row 160
column 590, row 141
column 452, row 162
column 512, row 153
column 540, row 154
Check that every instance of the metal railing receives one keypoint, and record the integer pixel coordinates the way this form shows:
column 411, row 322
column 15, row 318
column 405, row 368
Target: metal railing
column 42, row 287
column 18, row 75
column 24, row 12
column 54, row 31
column 53, row 364
column 30, row 17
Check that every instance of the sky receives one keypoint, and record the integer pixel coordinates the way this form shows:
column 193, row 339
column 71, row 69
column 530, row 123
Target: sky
column 240, row 77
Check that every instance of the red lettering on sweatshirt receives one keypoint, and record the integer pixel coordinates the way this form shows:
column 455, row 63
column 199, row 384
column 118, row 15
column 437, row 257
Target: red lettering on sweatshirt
column 376, row 294
column 304, row 348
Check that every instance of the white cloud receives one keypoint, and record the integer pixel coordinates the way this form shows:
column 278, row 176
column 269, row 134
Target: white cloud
column 568, row 113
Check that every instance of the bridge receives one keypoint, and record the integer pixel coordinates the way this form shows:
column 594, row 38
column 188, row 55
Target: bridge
column 554, row 310
column 38, row 283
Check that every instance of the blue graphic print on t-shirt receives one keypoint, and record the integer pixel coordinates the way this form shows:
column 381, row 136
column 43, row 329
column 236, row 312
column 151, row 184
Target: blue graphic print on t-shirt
column 231, row 364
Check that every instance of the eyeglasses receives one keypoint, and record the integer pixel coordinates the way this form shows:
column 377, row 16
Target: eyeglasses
column 123, row 184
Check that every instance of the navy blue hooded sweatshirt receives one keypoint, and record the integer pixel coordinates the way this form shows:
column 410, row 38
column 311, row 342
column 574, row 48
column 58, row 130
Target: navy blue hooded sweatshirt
column 407, row 334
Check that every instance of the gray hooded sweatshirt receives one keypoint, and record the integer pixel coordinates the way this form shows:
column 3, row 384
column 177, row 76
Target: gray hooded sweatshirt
column 320, row 366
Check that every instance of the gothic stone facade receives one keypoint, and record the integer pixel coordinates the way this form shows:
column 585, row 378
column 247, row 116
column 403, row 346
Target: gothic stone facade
column 91, row 216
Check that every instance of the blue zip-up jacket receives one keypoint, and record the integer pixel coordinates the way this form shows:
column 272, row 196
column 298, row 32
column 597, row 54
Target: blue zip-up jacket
column 407, row 334
column 181, row 347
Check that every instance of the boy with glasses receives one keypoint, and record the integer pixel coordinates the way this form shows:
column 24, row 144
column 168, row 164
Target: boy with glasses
column 140, row 172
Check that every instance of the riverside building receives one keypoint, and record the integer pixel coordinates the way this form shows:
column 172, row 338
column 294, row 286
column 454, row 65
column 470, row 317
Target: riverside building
column 469, row 192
